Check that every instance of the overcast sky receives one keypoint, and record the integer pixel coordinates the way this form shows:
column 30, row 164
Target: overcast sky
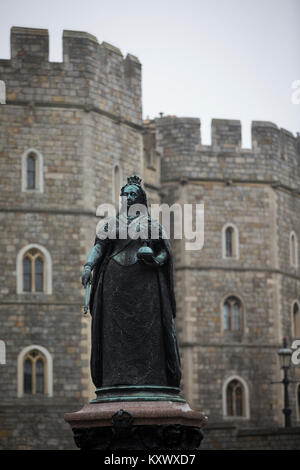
column 234, row 59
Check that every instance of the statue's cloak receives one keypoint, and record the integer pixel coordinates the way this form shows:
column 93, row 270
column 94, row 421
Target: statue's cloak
column 167, row 308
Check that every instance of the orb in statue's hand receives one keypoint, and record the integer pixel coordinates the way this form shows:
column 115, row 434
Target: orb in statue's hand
column 145, row 253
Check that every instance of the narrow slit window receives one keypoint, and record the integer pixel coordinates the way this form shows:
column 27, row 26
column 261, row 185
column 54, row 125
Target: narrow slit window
column 294, row 250
column 229, row 241
column 31, row 172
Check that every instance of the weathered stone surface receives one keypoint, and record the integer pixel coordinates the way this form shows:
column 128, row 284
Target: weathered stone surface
column 231, row 437
column 236, row 186
column 83, row 116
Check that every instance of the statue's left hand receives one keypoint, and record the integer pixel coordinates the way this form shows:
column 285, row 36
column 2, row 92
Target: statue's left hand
column 152, row 260
column 145, row 258
column 149, row 261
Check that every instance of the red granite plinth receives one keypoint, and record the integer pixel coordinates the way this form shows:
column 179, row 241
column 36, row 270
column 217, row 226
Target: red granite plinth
column 137, row 425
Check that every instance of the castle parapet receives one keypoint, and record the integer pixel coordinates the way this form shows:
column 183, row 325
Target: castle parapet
column 179, row 135
column 30, row 46
column 289, row 147
column 274, row 155
column 178, row 141
column 226, row 135
column 78, row 45
column 265, row 138
column 92, row 75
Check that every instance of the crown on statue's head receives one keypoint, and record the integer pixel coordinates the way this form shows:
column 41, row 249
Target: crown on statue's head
column 134, row 179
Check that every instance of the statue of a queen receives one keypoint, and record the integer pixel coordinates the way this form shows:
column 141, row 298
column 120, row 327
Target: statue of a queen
column 132, row 300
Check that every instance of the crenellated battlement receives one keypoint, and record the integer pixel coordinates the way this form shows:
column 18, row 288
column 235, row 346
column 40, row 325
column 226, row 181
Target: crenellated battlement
column 274, row 154
column 92, row 75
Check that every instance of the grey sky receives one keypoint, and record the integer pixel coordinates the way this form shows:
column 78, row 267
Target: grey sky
column 232, row 59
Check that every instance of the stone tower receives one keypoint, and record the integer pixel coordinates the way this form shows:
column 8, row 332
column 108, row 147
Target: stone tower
column 239, row 295
column 70, row 133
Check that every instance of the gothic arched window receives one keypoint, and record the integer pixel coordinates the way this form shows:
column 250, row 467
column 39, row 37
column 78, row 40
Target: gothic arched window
column 235, row 399
column 34, row 372
column 232, row 314
column 33, row 271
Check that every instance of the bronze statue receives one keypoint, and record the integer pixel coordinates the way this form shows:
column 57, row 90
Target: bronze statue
column 132, row 304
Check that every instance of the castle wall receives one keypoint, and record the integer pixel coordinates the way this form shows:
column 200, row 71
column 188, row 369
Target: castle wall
column 51, row 321
column 227, row 436
column 257, row 191
column 83, row 116
column 90, row 76
column 274, row 156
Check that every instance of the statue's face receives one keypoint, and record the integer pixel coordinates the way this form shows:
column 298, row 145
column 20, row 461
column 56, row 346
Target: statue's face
column 132, row 195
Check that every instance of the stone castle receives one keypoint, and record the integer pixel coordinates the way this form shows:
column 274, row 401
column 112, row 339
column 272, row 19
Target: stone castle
column 70, row 134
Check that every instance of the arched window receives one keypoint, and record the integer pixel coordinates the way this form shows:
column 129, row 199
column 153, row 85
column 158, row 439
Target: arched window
column 116, row 183
column 230, row 241
column 235, row 398
column 32, row 171
column 296, row 320
column 35, row 371
column 232, row 314
column 229, row 235
column 34, row 270
column 293, row 250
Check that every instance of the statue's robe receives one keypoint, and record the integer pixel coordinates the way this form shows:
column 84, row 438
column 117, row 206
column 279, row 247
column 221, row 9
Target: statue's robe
column 133, row 309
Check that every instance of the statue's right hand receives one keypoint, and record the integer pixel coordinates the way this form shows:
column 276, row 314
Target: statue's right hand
column 86, row 277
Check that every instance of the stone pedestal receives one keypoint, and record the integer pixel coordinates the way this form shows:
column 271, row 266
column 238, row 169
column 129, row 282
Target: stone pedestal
column 137, row 425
